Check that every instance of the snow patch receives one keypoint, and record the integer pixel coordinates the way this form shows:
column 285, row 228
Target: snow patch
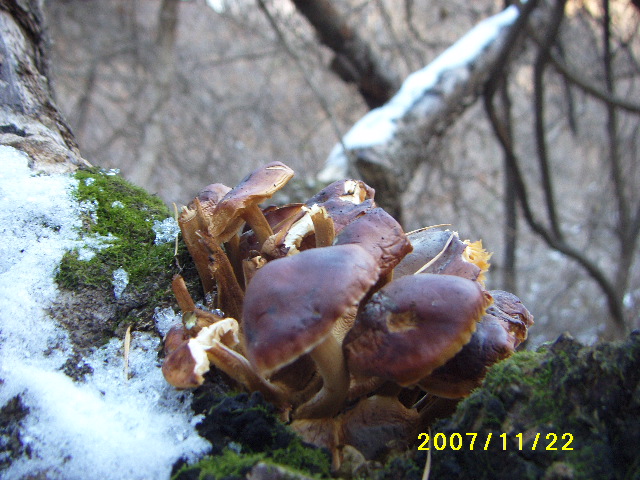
column 107, row 426
column 120, row 282
column 166, row 231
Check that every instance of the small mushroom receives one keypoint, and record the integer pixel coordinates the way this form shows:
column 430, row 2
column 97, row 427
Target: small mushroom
column 291, row 234
column 240, row 204
column 344, row 201
column 176, row 336
column 497, row 336
column 185, row 366
column 291, row 307
column 514, row 316
column 414, row 325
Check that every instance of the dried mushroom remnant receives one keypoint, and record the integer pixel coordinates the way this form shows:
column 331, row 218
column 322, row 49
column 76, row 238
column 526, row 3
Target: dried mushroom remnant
column 345, row 319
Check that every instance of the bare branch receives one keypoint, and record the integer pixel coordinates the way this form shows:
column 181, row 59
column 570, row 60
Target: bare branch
column 354, row 61
column 307, row 78
column 539, row 123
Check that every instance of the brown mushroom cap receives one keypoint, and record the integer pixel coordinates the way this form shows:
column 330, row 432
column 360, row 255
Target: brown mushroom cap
column 209, row 197
column 176, row 336
column 240, row 204
column 292, row 303
column 344, row 201
column 414, row 325
column 379, row 234
column 185, row 366
column 496, row 338
column 291, row 307
column 442, row 252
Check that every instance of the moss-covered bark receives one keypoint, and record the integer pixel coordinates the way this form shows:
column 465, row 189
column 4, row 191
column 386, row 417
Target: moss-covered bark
column 244, row 432
column 577, row 409
column 118, row 220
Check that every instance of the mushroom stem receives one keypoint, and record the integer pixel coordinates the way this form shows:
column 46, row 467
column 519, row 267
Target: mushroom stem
column 333, row 370
column 191, row 222
column 232, row 247
column 323, row 226
column 185, row 302
column 257, row 221
column 230, row 293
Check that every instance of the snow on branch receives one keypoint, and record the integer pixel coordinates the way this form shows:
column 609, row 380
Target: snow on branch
column 428, row 101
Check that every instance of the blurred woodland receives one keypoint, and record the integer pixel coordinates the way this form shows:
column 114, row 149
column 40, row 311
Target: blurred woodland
column 541, row 163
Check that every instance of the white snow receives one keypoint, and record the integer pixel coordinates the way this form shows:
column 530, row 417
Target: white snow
column 120, row 282
column 104, row 427
column 379, row 125
column 166, row 231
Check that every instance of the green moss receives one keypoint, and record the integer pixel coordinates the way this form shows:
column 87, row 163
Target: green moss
column 120, row 217
column 586, row 398
column 230, row 463
column 251, row 426
column 126, row 212
column 227, row 465
column 303, row 458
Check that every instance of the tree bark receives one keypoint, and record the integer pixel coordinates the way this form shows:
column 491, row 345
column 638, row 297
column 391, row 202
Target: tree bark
column 389, row 165
column 29, row 119
column 354, row 61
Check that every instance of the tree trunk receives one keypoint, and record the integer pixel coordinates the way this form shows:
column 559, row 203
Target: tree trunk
column 29, row 119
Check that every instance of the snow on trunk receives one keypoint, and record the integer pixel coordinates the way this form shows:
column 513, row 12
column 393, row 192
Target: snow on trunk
column 107, row 426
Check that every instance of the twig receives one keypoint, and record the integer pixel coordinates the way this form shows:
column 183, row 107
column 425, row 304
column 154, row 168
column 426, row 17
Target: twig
column 127, row 347
column 296, row 59
column 540, row 64
column 615, row 307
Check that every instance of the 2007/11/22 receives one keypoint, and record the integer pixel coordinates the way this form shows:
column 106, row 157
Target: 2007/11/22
column 455, row 441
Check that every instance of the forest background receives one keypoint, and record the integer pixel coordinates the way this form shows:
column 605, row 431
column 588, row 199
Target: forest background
column 541, row 163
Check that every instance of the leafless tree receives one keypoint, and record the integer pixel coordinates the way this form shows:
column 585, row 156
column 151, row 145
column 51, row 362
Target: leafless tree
column 257, row 80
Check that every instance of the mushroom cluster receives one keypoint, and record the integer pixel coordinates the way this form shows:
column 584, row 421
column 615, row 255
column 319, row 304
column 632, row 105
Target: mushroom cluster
column 335, row 314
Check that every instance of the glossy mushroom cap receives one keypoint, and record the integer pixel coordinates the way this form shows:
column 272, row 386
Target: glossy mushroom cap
column 440, row 251
column 414, row 325
column 496, row 338
column 292, row 303
column 240, row 204
column 291, row 307
column 379, row 234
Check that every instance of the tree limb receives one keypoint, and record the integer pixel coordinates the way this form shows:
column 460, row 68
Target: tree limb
column 354, row 61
